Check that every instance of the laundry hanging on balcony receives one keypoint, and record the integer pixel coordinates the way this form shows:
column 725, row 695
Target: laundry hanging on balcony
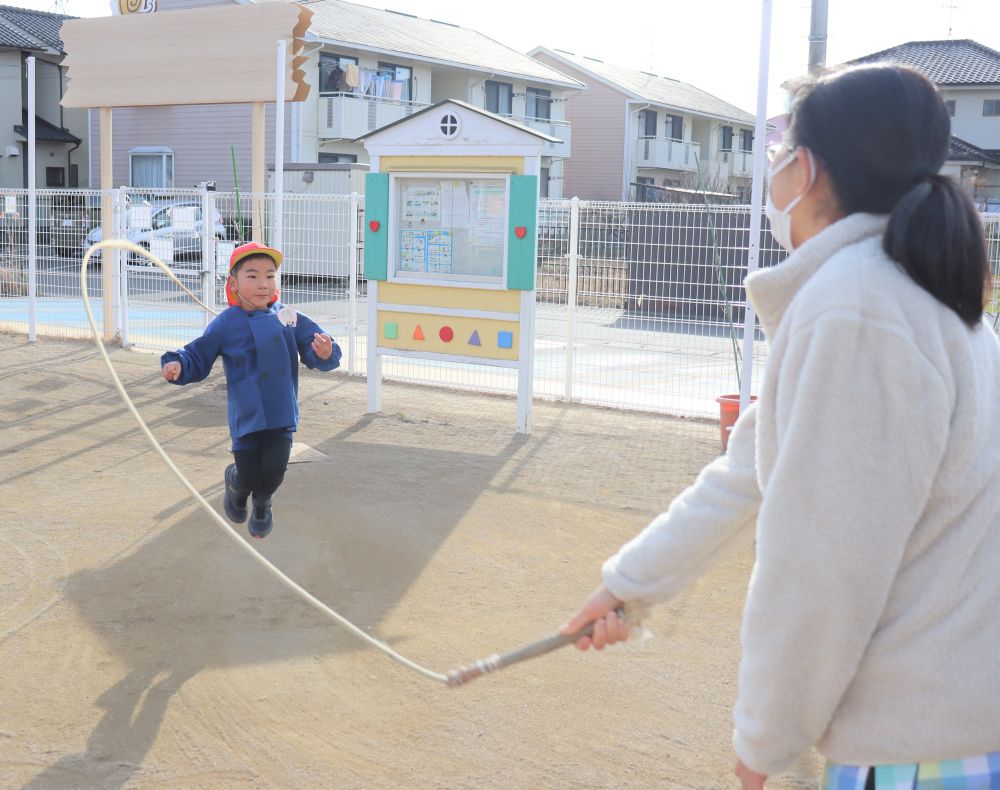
column 352, row 77
column 378, row 83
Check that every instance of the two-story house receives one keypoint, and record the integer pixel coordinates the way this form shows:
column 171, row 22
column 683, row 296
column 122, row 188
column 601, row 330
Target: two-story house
column 374, row 67
column 967, row 74
column 635, row 132
column 60, row 134
column 367, row 68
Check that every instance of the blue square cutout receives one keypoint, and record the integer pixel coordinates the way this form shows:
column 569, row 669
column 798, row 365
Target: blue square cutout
column 505, row 339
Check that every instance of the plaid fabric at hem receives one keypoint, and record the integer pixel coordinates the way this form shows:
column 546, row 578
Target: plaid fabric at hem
column 972, row 773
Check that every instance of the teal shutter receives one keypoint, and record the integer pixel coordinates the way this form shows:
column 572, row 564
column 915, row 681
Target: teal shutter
column 521, row 251
column 377, row 211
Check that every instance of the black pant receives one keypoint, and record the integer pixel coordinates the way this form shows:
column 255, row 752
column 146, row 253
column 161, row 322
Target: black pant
column 261, row 468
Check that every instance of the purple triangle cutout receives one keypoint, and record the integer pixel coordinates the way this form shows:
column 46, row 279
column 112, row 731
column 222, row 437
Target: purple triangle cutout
column 474, row 340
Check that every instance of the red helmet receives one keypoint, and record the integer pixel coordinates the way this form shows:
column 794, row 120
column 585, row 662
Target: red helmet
column 245, row 251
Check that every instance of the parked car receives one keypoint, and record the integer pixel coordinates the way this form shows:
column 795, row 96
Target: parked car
column 164, row 225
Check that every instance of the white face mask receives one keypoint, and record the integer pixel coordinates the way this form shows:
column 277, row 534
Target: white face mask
column 781, row 220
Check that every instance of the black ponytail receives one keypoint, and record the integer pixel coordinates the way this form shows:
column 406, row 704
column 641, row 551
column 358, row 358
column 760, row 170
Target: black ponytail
column 937, row 236
column 883, row 133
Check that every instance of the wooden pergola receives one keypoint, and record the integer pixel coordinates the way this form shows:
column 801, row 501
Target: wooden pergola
column 218, row 55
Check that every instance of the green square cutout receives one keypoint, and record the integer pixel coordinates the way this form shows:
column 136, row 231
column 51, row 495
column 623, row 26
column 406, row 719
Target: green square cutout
column 391, row 331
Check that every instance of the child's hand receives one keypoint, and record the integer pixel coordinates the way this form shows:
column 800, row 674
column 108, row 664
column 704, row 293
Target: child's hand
column 322, row 345
column 172, row 371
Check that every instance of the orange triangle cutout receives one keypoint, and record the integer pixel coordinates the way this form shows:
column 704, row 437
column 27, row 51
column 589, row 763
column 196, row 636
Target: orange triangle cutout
column 418, row 333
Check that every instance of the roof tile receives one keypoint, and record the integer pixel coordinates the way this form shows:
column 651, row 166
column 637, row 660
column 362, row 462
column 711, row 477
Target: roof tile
column 949, row 62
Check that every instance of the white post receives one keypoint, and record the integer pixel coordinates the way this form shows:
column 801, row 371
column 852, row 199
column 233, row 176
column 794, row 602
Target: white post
column 208, row 251
column 374, row 360
column 571, row 278
column 32, row 208
column 122, row 292
column 526, row 362
column 107, row 221
column 352, row 292
column 756, row 197
column 279, row 149
column 117, row 259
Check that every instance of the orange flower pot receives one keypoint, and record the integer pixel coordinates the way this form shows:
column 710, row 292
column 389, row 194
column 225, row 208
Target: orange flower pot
column 729, row 411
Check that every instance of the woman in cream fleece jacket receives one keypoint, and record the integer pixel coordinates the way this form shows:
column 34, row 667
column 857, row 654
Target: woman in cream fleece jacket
column 868, row 470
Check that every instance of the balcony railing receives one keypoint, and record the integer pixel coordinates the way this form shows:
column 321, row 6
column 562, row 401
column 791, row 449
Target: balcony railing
column 346, row 116
column 667, row 153
column 553, row 128
column 740, row 163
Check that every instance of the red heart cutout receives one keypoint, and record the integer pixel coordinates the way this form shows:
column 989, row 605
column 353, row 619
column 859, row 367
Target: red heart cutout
column 374, row 225
column 520, row 232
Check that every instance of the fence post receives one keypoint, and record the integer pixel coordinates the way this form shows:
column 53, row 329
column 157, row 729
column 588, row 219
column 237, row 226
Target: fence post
column 208, row 251
column 571, row 277
column 352, row 292
column 32, row 208
column 120, row 260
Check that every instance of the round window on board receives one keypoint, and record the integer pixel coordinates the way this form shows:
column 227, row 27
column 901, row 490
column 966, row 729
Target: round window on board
column 449, row 125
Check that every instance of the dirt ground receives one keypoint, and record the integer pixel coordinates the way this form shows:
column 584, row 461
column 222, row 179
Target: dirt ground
column 139, row 647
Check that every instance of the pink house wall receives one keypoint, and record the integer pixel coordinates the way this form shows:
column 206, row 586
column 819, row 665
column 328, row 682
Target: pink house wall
column 595, row 168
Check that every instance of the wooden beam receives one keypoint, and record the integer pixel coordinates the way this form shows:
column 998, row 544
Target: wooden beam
column 230, row 43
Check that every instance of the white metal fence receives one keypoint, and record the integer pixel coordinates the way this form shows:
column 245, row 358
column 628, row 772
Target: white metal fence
column 640, row 305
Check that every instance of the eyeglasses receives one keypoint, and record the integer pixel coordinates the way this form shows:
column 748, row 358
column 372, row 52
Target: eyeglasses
column 772, row 151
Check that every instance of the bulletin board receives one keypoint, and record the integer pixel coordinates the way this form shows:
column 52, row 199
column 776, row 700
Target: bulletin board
column 450, row 228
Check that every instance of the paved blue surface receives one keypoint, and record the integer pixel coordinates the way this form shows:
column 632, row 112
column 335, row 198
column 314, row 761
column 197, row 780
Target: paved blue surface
column 167, row 325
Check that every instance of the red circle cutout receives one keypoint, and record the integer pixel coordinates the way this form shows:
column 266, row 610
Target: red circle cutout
column 446, row 334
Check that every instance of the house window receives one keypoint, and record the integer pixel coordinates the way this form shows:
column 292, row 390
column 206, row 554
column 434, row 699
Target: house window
column 991, row 107
column 727, row 139
column 950, row 104
column 675, row 127
column 337, row 159
column 332, row 69
column 746, row 140
column 55, row 176
column 539, row 104
column 543, row 182
column 395, row 73
column 499, row 97
column 151, row 168
column 647, row 123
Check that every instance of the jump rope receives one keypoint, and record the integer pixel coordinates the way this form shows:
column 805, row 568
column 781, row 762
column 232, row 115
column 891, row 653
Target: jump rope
column 455, row 677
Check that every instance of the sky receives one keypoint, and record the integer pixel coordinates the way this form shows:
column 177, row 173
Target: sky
column 713, row 44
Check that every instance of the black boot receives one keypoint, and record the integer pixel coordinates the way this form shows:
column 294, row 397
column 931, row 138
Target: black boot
column 235, row 501
column 261, row 520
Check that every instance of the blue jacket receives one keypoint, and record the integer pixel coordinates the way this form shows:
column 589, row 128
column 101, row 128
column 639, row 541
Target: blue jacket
column 261, row 359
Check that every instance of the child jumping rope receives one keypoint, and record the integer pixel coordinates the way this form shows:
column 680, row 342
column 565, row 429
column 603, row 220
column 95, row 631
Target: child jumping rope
column 261, row 342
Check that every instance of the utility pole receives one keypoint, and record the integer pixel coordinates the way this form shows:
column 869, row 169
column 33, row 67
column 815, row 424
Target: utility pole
column 817, row 36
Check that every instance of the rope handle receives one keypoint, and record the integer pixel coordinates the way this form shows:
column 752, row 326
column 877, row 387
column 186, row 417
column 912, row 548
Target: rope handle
column 494, row 663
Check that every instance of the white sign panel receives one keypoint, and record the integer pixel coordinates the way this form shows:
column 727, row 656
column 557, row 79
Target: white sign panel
column 162, row 249
column 183, row 218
